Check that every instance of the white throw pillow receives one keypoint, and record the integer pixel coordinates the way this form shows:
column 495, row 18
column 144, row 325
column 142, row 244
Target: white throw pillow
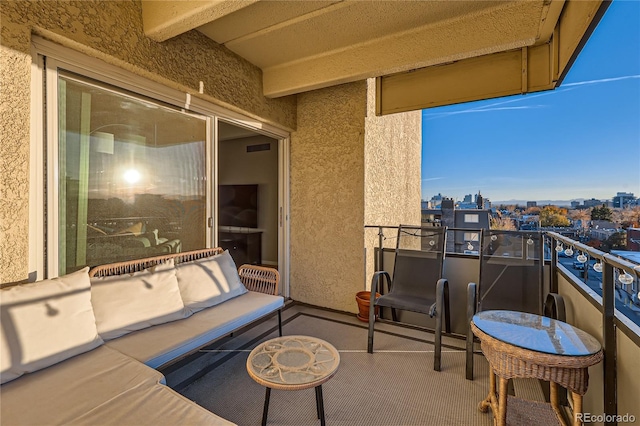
column 129, row 302
column 208, row 282
column 44, row 323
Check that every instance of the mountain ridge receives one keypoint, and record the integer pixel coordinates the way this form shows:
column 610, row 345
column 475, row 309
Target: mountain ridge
column 538, row 202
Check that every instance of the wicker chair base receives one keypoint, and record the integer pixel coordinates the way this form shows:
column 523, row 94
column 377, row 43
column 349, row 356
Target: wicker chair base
column 509, row 361
column 523, row 412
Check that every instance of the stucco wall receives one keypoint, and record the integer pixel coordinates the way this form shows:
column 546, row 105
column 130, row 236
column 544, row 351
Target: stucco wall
column 348, row 168
column 336, row 137
column 111, row 31
column 393, row 153
column 15, row 86
column 327, row 197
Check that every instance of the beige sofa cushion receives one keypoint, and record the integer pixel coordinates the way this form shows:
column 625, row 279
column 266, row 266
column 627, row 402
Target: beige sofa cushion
column 44, row 323
column 162, row 344
column 100, row 387
column 130, row 302
column 209, row 282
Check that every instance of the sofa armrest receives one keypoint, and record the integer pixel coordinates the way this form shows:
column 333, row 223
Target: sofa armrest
column 260, row 278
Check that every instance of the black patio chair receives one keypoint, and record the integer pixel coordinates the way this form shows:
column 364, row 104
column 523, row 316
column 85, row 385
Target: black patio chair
column 511, row 278
column 417, row 283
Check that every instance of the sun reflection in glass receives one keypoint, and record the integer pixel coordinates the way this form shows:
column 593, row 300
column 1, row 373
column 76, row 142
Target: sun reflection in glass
column 132, row 176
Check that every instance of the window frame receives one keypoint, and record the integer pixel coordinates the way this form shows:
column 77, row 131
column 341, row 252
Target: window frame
column 471, row 218
column 53, row 70
column 47, row 58
column 57, row 198
column 471, row 236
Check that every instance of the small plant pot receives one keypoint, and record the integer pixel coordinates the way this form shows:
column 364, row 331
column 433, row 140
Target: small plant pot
column 363, row 298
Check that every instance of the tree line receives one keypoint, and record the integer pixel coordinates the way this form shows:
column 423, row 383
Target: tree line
column 555, row 216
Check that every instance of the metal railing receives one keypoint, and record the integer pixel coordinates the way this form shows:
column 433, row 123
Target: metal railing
column 597, row 268
column 591, row 266
column 618, row 288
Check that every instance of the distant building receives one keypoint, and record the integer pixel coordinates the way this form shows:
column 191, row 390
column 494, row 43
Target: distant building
column 602, row 234
column 446, row 212
column 532, row 204
column 474, row 220
column 623, row 199
column 478, row 199
column 431, row 216
column 633, row 239
column 433, row 203
column 603, row 224
column 528, row 222
column 602, row 229
column 575, row 204
column 592, row 203
column 465, row 206
column 579, row 224
column 452, row 217
column 478, row 202
column 481, row 202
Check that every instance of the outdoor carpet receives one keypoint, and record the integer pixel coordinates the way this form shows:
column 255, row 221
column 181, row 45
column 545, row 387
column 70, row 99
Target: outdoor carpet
column 396, row 385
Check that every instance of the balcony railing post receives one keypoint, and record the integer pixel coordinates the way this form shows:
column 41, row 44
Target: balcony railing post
column 540, row 254
column 553, row 282
column 380, row 249
column 609, row 338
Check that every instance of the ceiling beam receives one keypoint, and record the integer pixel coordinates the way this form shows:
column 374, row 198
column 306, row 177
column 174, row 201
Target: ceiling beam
column 163, row 20
column 525, row 70
column 470, row 35
column 578, row 21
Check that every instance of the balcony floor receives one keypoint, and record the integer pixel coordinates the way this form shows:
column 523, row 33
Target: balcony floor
column 394, row 386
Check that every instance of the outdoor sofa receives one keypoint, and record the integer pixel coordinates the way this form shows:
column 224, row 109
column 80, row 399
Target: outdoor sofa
column 84, row 348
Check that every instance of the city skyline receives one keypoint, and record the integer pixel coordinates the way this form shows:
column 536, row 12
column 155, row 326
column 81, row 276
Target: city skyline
column 580, row 141
column 523, row 202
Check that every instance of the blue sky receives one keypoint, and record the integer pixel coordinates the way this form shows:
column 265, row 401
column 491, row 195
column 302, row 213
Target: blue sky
column 581, row 140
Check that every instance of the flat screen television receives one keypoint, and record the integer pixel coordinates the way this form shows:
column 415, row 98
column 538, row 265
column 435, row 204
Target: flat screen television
column 238, row 205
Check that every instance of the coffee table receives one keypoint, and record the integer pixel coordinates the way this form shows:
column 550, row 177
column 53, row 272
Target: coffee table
column 293, row 363
column 519, row 344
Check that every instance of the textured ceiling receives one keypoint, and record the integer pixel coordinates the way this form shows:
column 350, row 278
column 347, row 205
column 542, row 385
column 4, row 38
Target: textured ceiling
column 305, row 45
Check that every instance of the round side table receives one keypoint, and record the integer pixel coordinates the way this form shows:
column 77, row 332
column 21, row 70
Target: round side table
column 293, row 363
column 519, row 344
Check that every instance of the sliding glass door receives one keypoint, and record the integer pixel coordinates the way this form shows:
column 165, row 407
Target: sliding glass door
column 128, row 168
column 131, row 177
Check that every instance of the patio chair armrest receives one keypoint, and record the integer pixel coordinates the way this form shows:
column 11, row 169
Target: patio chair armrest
column 374, row 283
column 471, row 301
column 260, row 278
column 471, row 310
column 442, row 293
column 554, row 307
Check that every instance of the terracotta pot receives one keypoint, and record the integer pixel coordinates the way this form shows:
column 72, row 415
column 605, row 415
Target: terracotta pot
column 363, row 298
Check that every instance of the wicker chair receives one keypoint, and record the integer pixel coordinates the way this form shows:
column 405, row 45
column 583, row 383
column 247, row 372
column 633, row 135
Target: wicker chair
column 417, row 283
column 512, row 278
